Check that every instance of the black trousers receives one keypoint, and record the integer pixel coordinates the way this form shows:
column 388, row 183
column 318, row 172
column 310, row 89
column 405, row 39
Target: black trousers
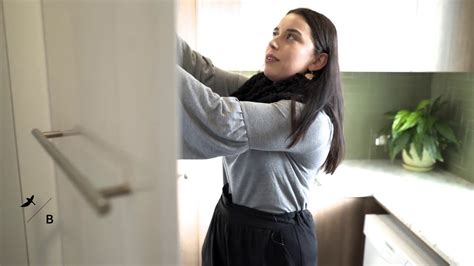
column 244, row 236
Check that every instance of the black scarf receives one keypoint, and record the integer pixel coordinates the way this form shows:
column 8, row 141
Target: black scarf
column 261, row 89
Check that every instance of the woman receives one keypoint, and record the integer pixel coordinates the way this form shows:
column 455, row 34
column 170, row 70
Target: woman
column 275, row 131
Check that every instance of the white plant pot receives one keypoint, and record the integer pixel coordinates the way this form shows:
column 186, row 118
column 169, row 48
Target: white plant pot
column 424, row 164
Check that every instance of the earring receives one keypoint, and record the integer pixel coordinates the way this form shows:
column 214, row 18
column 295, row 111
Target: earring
column 309, row 75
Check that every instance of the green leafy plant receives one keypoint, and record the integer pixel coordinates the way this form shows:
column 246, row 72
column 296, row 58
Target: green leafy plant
column 422, row 128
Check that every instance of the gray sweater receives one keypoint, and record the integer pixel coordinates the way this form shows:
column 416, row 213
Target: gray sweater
column 252, row 137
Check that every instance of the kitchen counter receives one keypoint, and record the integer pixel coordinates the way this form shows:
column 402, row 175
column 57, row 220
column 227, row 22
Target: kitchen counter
column 437, row 206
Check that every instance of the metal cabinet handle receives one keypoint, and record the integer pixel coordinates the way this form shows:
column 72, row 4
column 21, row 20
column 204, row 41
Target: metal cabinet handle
column 97, row 198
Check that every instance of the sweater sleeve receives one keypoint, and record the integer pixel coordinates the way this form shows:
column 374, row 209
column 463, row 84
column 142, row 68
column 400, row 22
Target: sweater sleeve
column 211, row 125
column 222, row 82
column 215, row 126
column 269, row 128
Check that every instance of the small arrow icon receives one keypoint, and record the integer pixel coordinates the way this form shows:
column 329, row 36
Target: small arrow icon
column 28, row 201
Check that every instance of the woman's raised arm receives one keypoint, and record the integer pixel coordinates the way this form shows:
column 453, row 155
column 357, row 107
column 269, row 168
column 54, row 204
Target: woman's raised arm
column 201, row 68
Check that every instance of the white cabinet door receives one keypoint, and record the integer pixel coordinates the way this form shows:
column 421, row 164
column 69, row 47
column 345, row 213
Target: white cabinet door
column 373, row 35
column 444, row 35
column 111, row 79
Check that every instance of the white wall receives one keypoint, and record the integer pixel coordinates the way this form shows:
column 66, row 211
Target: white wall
column 12, row 230
column 25, row 49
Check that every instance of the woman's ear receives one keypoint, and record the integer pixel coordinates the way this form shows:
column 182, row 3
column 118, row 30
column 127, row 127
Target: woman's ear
column 320, row 62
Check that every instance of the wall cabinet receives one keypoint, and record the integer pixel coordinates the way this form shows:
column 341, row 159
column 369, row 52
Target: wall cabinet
column 388, row 36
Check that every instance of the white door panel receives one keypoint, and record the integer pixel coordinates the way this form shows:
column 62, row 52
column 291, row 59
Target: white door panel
column 111, row 80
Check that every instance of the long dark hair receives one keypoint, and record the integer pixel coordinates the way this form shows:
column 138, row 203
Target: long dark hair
column 324, row 92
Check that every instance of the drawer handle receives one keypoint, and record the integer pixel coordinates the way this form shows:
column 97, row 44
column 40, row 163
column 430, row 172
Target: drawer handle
column 97, row 198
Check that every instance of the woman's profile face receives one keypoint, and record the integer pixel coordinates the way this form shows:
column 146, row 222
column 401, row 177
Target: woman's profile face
column 291, row 50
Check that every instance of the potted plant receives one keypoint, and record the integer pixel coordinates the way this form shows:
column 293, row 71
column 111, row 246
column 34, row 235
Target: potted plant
column 420, row 135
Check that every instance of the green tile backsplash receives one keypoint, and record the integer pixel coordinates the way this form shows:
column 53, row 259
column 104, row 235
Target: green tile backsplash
column 458, row 89
column 367, row 97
